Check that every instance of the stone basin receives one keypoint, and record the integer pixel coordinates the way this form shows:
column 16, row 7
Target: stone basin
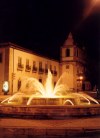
column 49, row 111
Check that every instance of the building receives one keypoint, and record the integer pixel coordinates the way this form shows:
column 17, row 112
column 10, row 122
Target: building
column 73, row 62
column 17, row 62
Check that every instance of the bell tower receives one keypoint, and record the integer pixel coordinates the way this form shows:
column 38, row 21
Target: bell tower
column 72, row 61
column 67, row 49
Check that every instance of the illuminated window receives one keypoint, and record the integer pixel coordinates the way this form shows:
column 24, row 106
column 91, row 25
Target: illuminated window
column 0, row 57
column 67, row 52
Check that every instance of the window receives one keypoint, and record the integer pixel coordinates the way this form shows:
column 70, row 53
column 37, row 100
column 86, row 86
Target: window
column 67, row 52
column 28, row 68
column 19, row 60
column 41, row 70
column 34, row 64
column 20, row 65
column 19, row 84
column 67, row 66
column 34, row 67
column 0, row 57
column 40, row 80
column 27, row 62
column 46, row 68
column 50, row 67
column 40, row 65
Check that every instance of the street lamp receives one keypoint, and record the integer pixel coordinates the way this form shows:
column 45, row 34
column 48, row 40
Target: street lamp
column 5, row 88
column 81, row 79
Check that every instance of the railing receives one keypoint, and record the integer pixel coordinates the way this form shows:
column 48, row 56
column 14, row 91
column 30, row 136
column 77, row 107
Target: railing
column 28, row 68
column 20, row 67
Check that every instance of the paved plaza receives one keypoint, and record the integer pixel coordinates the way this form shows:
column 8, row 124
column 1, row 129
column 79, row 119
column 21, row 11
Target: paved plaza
column 83, row 127
column 71, row 128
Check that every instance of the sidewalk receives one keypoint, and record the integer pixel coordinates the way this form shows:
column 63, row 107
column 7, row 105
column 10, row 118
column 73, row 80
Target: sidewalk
column 72, row 127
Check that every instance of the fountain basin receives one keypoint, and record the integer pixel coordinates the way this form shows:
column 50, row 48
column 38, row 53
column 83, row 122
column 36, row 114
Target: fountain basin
column 49, row 111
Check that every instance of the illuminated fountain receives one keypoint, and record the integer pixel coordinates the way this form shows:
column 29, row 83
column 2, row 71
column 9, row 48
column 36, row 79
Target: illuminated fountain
column 34, row 99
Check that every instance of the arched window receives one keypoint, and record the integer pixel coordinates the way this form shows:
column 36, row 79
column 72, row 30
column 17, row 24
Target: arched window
column 67, row 52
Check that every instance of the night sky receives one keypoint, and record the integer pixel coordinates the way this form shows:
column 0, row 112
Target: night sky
column 43, row 26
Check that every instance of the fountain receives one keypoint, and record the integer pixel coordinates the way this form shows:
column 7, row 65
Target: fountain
column 48, row 101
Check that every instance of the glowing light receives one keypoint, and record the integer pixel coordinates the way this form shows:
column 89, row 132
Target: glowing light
column 5, row 86
column 90, row 8
column 49, row 86
column 81, row 77
column 31, row 89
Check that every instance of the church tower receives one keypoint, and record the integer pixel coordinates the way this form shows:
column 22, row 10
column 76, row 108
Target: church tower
column 72, row 61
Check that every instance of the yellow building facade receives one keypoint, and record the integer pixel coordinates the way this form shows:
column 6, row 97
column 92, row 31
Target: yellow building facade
column 17, row 62
column 73, row 62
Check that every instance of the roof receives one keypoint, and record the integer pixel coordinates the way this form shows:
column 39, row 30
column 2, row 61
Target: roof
column 15, row 46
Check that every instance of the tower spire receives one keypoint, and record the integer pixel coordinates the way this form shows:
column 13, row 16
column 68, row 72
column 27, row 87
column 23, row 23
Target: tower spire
column 69, row 41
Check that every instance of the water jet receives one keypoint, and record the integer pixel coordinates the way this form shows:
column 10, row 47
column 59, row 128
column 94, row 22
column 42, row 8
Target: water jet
column 48, row 101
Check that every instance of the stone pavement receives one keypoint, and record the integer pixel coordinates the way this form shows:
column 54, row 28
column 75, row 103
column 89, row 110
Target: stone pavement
column 69, row 128
column 87, row 127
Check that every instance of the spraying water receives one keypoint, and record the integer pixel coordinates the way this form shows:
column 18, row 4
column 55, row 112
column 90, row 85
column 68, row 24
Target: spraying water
column 31, row 89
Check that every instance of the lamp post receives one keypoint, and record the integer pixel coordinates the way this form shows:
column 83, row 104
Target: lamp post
column 81, row 79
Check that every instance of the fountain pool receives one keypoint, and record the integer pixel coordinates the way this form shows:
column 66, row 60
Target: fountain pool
column 48, row 101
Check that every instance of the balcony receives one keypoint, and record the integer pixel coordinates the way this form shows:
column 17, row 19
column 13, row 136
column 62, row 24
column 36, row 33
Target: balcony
column 28, row 68
column 41, row 70
column 20, row 67
column 34, row 69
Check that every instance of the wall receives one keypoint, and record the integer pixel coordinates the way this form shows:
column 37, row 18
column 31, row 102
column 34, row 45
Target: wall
column 18, row 74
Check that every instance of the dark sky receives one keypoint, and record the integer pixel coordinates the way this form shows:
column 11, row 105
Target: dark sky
column 43, row 25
